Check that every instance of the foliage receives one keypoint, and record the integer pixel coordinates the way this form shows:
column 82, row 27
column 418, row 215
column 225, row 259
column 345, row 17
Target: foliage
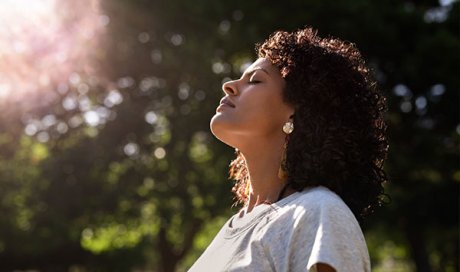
column 131, row 178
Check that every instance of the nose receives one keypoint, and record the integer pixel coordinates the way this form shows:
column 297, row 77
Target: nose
column 230, row 87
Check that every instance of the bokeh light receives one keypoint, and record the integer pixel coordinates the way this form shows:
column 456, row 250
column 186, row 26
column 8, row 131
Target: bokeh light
column 46, row 43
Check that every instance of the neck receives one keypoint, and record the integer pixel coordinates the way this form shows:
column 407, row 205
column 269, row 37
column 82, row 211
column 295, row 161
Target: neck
column 263, row 160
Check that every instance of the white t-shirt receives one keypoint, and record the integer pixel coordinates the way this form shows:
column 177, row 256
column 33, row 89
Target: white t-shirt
column 299, row 231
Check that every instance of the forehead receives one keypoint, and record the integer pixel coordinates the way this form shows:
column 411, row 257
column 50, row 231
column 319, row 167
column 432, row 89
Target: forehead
column 265, row 64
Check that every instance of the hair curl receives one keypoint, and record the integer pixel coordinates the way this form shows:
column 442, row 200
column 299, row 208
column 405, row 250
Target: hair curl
column 339, row 139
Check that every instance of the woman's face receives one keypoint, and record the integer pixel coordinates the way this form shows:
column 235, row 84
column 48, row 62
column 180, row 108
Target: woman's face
column 253, row 106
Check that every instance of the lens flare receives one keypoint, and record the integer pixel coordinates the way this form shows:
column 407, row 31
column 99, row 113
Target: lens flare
column 44, row 42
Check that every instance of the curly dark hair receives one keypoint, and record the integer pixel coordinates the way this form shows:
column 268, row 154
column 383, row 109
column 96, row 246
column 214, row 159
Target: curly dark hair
column 339, row 140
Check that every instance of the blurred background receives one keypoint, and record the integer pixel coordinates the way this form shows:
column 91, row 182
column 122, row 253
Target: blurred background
column 106, row 159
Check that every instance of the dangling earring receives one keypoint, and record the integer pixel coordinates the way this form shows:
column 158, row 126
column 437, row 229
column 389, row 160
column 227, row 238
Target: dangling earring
column 288, row 128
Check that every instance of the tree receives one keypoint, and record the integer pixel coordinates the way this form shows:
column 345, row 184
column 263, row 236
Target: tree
column 130, row 177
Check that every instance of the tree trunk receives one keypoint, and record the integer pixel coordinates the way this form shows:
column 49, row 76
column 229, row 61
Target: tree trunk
column 418, row 248
column 168, row 257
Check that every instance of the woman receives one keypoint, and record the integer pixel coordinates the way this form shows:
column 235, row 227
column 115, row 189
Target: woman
column 307, row 122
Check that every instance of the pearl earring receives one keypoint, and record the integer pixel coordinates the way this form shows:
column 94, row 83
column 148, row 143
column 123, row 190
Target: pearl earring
column 288, row 127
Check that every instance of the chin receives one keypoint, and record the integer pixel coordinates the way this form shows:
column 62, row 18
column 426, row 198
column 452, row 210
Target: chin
column 220, row 128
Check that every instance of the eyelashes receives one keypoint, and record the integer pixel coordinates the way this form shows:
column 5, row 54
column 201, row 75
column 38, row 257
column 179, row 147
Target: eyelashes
column 253, row 81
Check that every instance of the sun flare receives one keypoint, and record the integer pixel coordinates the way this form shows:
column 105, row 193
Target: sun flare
column 42, row 42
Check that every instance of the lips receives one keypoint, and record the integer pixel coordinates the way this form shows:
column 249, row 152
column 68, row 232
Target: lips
column 226, row 101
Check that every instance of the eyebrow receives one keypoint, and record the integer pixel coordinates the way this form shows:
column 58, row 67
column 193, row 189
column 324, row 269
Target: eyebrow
column 252, row 71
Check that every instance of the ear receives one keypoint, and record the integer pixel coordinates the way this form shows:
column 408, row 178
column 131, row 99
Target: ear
column 291, row 113
column 289, row 110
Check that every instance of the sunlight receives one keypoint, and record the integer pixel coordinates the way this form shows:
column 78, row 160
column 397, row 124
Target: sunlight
column 27, row 7
column 43, row 42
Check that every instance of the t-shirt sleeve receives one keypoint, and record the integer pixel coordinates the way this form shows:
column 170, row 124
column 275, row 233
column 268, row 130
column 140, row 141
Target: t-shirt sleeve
column 317, row 227
column 336, row 238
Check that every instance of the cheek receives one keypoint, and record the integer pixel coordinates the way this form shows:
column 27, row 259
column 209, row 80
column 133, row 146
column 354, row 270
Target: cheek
column 261, row 112
column 266, row 106
column 256, row 113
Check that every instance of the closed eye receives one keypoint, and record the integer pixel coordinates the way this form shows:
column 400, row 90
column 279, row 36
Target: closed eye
column 253, row 81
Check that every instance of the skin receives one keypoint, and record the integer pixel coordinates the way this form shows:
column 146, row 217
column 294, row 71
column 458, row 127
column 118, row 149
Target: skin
column 320, row 267
column 250, row 118
column 254, row 126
